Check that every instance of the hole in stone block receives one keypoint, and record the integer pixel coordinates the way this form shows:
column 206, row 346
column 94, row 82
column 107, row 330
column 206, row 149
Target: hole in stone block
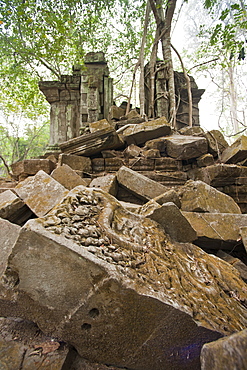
column 86, row 326
column 94, row 312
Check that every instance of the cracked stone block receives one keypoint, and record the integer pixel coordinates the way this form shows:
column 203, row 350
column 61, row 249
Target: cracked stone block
column 138, row 184
column 111, row 284
column 76, row 162
column 213, row 231
column 218, row 174
column 197, row 196
column 67, row 177
column 12, row 208
column 226, row 353
column 186, row 147
column 41, row 193
column 8, row 235
column 236, row 152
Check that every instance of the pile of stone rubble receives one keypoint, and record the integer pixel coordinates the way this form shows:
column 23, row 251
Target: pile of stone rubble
column 128, row 250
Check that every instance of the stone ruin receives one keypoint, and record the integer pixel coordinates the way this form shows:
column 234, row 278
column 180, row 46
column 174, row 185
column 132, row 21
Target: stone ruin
column 126, row 250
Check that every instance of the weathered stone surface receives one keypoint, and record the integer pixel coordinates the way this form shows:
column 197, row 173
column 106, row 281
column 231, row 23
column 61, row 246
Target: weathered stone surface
column 67, row 177
column 213, row 231
column 116, row 113
column 169, row 178
column 158, row 143
column 138, row 184
column 236, row 262
column 237, row 152
column 243, row 233
column 218, row 174
column 76, row 162
column 133, row 299
column 171, row 219
column 205, row 160
column 98, row 165
column 169, row 196
column 90, row 144
column 151, row 153
column 23, row 346
column 32, row 166
column 133, row 114
column 192, row 131
column 12, row 208
column 186, row 147
column 41, row 193
column 113, row 164
column 216, row 142
column 141, row 164
column 139, row 134
column 226, row 353
column 107, row 183
column 103, row 124
column 167, row 164
column 197, row 196
column 8, row 235
column 132, row 151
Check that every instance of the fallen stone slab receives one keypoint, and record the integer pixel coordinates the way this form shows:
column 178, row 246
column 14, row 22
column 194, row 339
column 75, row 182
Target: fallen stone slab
column 142, row 132
column 89, row 144
column 132, row 151
column 167, row 164
column 111, row 284
column 169, row 196
column 226, row 353
column 192, row 131
column 107, row 183
column 236, row 262
column 217, row 230
column 218, row 174
column 67, row 177
column 243, row 233
column 12, row 208
column 197, row 196
column 216, row 142
column 32, row 166
column 171, row 219
column 236, row 152
column 138, row 184
column 186, row 147
column 41, row 193
column 76, row 162
column 168, row 178
column 8, row 235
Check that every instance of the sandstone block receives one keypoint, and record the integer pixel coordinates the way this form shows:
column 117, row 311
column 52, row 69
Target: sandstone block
column 167, row 164
column 226, row 353
column 12, row 208
column 113, row 164
column 138, row 184
column 169, row 196
column 116, row 113
column 139, row 134
column 141, row 164
column 103, row 124
column 8, row 235
column 107, row 183
column 237, row 152
column 169, row 178
column 41, row 193
column 186, row 147
column 132, row 151
column 192, row 131
column 151, row 153
column 133, row 281
column 197, row 196
column 32, row 166
column 67, row 177
column 205, row 160
column 218, row 174
column 98, row 165
column 171, row 219
column 243, row 233
column 76, row 162
column 213, row 231
column 216, row 142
